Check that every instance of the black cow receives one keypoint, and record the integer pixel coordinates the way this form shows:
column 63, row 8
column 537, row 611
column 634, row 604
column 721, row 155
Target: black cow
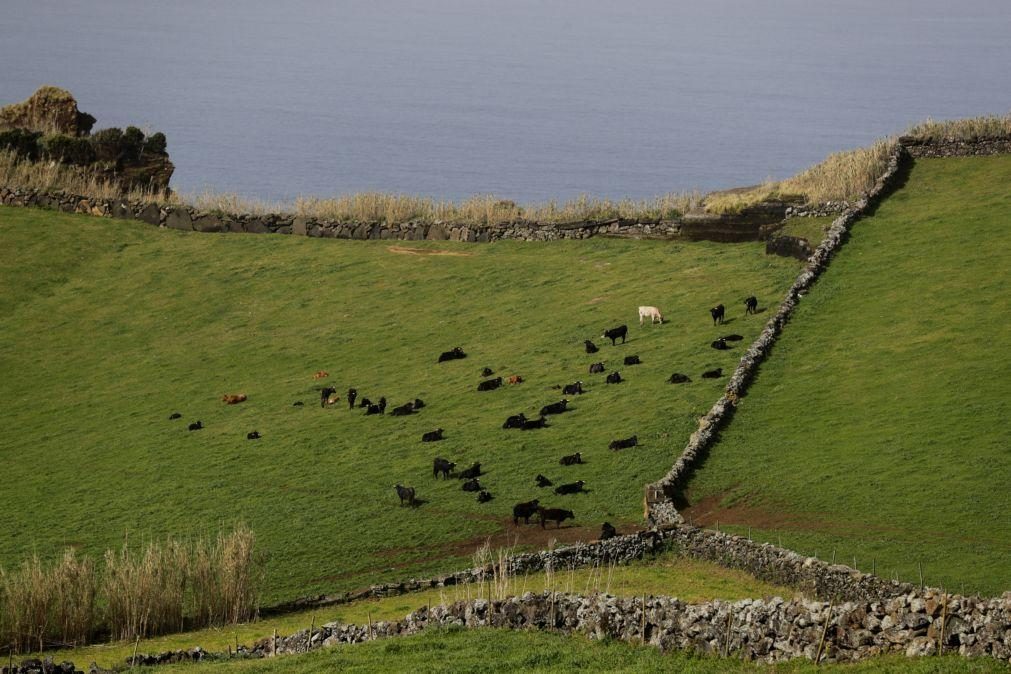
column 352, row 394
column 364, row 402
column 607, row 531
column 573, row 389
column 473, row 471
column 196, row 426
column 571, row 459
column 717, row 313
column 554, row 408
column 720, row 344
column 571, row 488
column 632, row 360
column 324, row 395
column 590, row 346
column 596, row 368
column 531, row 424
column 255, row 435
column 418, row 403
column 678, row 378
column 614, row 333
column 472, row 485
column 713, row 374
column 406, row 494
column 175, row 415
column 624, row 444
column 525, row 510
column 614, row 378
column 554, row 515
column 490, row 384
column 543, row 481
column 403, row 410
column 484, row 496
column 455, row 354
column 297, row 403
column 373, row 409
column 432, row 436
column 515, row 421
column 487, row 372
column 442, row 466
column 751, row 305
column 382, row 405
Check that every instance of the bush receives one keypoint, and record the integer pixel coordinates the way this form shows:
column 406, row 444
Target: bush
column 133, row 144
column 156, row 144
column 108, row 144
column 67, row 149
column 24, row 144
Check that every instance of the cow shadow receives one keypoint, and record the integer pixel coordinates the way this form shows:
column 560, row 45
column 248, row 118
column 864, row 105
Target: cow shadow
column 418, row 502
column 728, row 321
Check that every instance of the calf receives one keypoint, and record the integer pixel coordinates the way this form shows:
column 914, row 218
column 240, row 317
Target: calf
column 233, row 398
column 255, row 435
column 717, row 313
column 596, row 368
column 406, row 494
column 590, row 346
column 382, row 405
column 403, row 410
column 418, row 403
column 554, row 408
column 321, row 374
column 364, row 402
column 571, row 459
column 324, row 395
column 515, row 421
column 607, row 531
column 614, row 378
column 571, row 488
column 174, row 416
column 472, row 485
column 432, row 436
column 484, row 496
column 524, row 510
column 487, row 372
column 515, row 379
column 352, row 394
column 624, row 444
column 442, row 466
column 751, row 305
column 554, row 515
column 455, row 354
column 573, row 389
column 373, row 409
column 713, row 374
column 632, row 360
column 678, row 378
column 490, row 384
column 531, row 424
column 196, row 426
column 543, row 481
column 652, row 313
column 720, row 344
column 614, row 333
column 472, row 472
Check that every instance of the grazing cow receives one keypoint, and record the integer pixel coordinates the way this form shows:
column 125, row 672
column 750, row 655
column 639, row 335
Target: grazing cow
column 596, row 368
column 720, row 344
column 321, row 374
column 298, row 403
column 571, row 488
column 624, row 444
column 418, row 403
column 614, row 378
column 196, row 426
column 403, row 410
column 174, row 416
column 364, row 402
column 442, row 466
column 531, row 424
column 751, row 305
column 255, row 435
column 487, row 372
column 543, row 481
column 678, row 378
column 324, row 395
column 406, row 494
column 382, row 405
column 652, row 313
column 607, row 531
column 514, row 379
column 732, row 338
column 455, row 354
column 573, row 389
column 717, row 313
column 352, row 394
column 472, row 472
column 555, row 515
column 713, row 374
column 432, row 436
column 614, row 333
column 525, row 510
column 484, row 496
column 233, row 398
column 632, row 360
column 515, row 421
column 554, row 408
column 373, row 409
column 590, row 346
column 472, row 485
column 571, row 459
column 490, row 384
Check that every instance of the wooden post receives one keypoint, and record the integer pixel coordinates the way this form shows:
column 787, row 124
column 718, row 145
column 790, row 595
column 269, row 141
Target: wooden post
column 643, row 620
column 136, row 644
column 273, row 647
column 730, row 624
column 312, row 626
column 919, row 567
column 370, row 625
column 828, row 619
column 944, row 616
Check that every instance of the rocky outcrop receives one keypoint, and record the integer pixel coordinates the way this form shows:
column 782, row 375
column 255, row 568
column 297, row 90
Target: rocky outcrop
column 789, row 246
column 954, row 147
column 48, row 110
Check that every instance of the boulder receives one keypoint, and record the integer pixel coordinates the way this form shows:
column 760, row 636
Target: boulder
column 179, row 218
column 150, row 214
column 300, row 226
column 208, row 223
column 256, row 226
column 437, row 233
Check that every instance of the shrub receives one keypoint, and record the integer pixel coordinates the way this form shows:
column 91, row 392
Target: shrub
column 132, row 145
column 24, row 144
column 156, row 144
column 67, row 149
column 108, row 144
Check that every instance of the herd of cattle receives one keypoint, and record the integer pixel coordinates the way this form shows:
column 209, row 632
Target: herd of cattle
column 470, row 476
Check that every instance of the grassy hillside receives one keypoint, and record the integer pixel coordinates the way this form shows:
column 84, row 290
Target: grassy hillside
column 110, row 326
column 878, row 428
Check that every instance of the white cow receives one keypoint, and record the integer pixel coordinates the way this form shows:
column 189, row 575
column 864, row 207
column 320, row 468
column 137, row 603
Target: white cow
column 652, row 313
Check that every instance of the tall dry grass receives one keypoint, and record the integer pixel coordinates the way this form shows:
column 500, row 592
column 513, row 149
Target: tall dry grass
column 51, row 176
column 974, row 128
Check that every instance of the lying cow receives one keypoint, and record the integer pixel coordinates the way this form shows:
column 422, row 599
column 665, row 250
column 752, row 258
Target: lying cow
column 514, row 379
column 571, row 488
column 406, row 494
column 484, row 496
column 515, row 421
column 490, row 384
column 442, row 467
column 614, row 378
column 324, row 395
column 473, row 471
column 573, row 389
column 614, row 333
column 432, row 436
column 732, row 338
column 571, row 459
column 554, row 515
column 542, row 481
column 717, row 313
column 531, row 424
column 364, row 403
column 455, row 354
column 373, row 409
column 472, row 485
column 607, row 531
column 624, row 444
column 418, row 403
column 255, row 435
column 322, row 374
column 524, row 510
column 487, row 372
column 175, row 415
column 233, row 398
column 751, row 305
column 720, row 344
column 713, row 374
column 596, row 368
column 590, row 346
column 196, row 426
column 403, row 410
column 652, row 313
column 632, row 360
column 678, row 378
column 555, row 408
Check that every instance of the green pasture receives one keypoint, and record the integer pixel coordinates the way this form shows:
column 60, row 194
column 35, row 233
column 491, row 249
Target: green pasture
column 877, row 432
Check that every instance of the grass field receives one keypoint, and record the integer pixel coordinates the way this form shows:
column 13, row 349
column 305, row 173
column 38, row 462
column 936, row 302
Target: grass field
column 877, row 430
column 812, row 229
column 110, row 326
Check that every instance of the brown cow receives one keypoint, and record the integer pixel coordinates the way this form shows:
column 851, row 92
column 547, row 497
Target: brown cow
column 514, row 379
column 233, row 398
column 321, row 374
